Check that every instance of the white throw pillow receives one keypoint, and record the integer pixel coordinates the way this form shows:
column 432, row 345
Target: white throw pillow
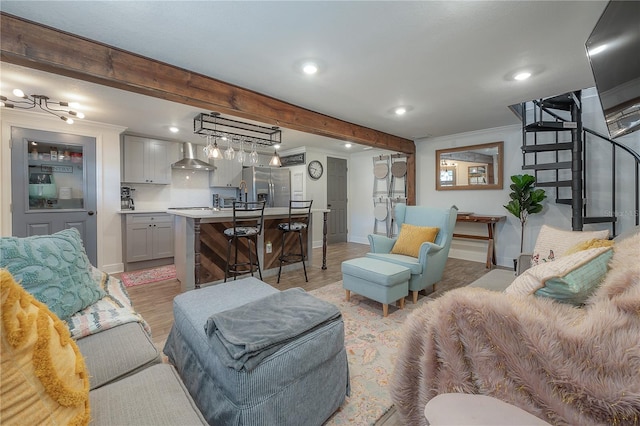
column 552, row 242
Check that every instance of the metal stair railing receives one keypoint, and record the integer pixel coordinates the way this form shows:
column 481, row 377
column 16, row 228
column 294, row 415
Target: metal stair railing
column 636, row 190
column 579, row 181
column 571, row 103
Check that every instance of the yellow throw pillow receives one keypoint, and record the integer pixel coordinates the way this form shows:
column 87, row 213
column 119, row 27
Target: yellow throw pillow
column 411, row 238
column 589, row 244
column 44, row 377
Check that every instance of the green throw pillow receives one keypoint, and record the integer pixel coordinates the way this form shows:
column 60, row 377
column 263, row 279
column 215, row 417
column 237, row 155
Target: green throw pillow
column 54, row 268
column 576, row 286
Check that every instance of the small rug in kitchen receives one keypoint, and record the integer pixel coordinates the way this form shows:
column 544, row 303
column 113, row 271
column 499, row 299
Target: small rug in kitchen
column 147, row 276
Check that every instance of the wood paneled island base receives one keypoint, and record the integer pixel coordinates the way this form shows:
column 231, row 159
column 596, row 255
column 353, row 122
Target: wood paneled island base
column 201, row 246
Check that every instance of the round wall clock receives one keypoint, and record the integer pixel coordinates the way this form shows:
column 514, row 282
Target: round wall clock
column 315, row 169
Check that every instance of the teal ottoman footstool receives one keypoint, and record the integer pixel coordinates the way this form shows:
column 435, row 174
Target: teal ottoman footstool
column 383, row 282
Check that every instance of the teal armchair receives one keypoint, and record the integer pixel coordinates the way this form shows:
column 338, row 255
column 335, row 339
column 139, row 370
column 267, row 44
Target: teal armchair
column 428, row 267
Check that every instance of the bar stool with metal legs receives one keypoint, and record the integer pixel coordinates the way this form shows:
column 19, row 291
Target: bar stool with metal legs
column 248, row 217
column 299, row 217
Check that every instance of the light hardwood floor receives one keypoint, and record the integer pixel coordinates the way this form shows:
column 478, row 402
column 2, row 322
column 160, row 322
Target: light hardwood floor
column 155, row 301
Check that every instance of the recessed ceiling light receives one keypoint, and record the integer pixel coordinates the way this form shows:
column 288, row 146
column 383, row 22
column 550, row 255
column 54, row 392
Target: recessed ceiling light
column 310, row 68
column 276, row 146
column 598, row 49
column 522, row 76
column 174, row 129
column 400, row 110
column 347, row 145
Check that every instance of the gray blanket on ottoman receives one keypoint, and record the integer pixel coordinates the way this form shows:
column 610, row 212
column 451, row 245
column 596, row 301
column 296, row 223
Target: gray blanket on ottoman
column 303, row 383
column 242, row 337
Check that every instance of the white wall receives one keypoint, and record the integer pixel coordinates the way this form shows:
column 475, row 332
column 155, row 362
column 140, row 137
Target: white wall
column 361, row 182
column 175, row 195
column 599, row 165
column 488, row 202
column 360, row 186
column 316, row 190
column 107, row 173
column 491, row 201
column 311, row 189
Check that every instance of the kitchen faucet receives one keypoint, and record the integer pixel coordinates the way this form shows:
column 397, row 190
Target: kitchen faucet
column 243, row 184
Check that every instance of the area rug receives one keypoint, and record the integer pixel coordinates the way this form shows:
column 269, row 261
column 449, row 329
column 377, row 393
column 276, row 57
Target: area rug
column 372, row 343
column 147, row 276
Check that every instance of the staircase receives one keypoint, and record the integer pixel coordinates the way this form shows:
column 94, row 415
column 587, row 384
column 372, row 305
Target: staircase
column 557, row 149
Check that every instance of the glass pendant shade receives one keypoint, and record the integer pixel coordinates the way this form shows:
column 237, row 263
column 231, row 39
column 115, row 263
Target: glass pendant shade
column 241, row 156
column 212, row 150
column 253, row 157
column 215, row 152
column 229, row 153
column 275, row 160
column 207, row 148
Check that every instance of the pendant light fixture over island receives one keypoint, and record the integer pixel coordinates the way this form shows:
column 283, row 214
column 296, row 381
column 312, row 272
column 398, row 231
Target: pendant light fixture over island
column 213, row 126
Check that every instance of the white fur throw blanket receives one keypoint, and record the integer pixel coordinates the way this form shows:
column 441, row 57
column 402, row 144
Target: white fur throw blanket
column 563, row 364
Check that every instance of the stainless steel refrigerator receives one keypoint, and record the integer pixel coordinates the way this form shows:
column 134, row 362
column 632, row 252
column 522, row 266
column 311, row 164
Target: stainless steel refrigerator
column 272, row 185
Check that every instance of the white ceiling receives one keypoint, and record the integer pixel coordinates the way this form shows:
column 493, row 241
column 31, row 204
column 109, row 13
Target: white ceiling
column 450, row 61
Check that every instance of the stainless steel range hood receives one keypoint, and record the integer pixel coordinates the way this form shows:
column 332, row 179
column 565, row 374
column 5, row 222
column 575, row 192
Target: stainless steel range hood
column 190, row 161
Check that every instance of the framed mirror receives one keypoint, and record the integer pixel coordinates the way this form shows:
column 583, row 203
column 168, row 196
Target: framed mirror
column 470, row 167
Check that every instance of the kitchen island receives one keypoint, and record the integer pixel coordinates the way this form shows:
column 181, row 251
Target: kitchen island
column 200, row 246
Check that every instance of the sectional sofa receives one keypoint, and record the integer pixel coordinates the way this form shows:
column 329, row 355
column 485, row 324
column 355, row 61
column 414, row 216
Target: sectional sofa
column 97, row 365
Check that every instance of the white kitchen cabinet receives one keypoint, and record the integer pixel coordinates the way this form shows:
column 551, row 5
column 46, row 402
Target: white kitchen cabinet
column 264, row 159
column 147, row 160
column 148, row 236
column 228, row 173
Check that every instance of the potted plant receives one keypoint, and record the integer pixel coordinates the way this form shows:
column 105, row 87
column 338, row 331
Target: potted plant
column 525, row 200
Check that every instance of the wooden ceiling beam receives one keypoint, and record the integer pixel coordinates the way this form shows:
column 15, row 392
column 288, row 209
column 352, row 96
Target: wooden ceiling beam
column 36, row 46
column 33, row 45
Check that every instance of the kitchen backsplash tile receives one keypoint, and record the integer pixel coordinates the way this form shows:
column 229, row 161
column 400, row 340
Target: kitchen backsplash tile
column 189, row 179
column 188, row 188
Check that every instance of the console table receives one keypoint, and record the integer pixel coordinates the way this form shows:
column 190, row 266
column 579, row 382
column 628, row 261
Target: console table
column 491, row 224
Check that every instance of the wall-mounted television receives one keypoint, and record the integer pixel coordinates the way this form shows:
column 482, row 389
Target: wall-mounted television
column 614, row 53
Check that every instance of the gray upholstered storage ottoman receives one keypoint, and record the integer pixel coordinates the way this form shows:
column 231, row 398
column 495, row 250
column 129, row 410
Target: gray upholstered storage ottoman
column 384, row 282
column 301, row 384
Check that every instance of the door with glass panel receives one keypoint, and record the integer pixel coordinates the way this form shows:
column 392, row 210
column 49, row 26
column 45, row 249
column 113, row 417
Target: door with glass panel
column 53, row 185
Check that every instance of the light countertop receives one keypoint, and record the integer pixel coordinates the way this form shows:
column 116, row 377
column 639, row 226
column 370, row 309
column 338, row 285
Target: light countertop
column 219, row 213
column 228, row 212
column 142, row 211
